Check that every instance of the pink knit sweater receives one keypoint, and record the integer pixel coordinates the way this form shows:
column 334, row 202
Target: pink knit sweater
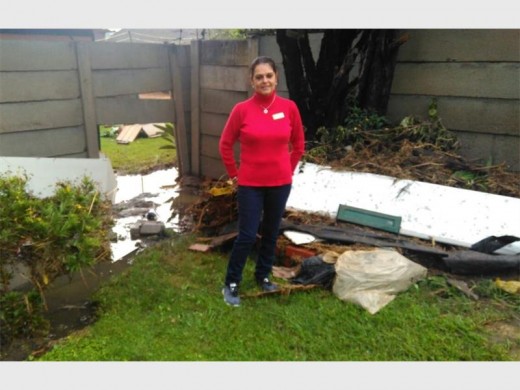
column 270, row 144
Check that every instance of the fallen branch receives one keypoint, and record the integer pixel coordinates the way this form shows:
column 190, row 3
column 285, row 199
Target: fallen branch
column 283, row 290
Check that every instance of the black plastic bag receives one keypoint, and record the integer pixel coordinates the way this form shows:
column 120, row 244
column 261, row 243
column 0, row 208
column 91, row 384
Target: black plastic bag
column 492, row 243
column 314, row 270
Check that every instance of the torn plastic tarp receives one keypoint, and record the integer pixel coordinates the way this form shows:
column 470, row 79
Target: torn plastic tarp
column 372, row 279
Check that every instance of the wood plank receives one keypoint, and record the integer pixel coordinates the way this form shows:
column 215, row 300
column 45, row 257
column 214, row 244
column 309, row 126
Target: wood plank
column 130, row 81
column 18, row 55
column 124, row 110
column 496, row 116
column 87, row 98
column 224, row 78
column 128, row 133
column 43, row 143
column 109, row 55
column 31, row 86
column 493, row 80
column 461, row 45
column 40, row 115
column 220, row 102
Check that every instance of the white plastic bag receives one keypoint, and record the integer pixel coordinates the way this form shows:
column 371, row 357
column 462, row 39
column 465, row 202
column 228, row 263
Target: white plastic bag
column 372, row 278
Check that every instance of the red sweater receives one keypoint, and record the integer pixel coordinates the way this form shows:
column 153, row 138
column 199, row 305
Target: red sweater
column 270, row 144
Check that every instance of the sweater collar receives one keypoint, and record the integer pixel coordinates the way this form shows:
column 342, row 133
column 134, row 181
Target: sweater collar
column 264, row 100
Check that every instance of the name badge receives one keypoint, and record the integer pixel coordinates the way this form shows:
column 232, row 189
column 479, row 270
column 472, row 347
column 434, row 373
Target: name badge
column 278, row 115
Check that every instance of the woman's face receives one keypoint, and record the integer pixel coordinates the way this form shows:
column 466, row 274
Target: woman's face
column 264, row 79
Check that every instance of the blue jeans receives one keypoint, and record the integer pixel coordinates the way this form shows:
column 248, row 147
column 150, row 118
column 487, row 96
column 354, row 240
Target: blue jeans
column 252, row 202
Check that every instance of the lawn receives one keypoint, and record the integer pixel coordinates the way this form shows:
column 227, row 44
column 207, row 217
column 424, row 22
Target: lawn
column 168, row 307
column 140, row 156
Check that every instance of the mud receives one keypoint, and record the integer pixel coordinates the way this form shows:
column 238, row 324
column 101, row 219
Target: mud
column 70, row 308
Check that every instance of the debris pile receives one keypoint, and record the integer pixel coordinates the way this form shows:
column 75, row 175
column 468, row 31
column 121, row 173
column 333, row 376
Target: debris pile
column 422, row 151
column 214, row 208
column 310, row 243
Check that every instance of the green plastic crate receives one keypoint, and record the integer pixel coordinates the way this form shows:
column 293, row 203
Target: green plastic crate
column 389, row 223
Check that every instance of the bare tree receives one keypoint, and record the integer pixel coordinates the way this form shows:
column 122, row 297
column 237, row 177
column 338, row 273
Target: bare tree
column 353, row 67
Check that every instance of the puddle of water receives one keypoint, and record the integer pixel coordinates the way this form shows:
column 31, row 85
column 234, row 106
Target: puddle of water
column 68, row 297
column 159, row 187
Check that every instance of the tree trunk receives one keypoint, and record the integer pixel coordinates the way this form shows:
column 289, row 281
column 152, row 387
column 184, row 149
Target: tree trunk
column 379, row 50
column 325, row 89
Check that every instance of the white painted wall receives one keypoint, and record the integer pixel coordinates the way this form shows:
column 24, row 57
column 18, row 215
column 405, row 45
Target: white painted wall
column 44, row 173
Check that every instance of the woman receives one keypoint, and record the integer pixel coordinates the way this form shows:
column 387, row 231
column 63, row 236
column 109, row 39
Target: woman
column 270, row 132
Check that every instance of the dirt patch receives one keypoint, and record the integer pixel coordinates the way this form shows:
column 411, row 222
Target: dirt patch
column 70, row 308
column 507, row 331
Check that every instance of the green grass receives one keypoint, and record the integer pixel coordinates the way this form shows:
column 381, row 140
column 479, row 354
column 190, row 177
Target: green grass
column 140, row 156
column 168, row 307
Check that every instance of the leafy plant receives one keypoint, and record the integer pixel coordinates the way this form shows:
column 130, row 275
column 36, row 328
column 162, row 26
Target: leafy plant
column 168, row 135
column 55, row 236
column 471, row 180
column 108, row 131
column 333, row 143
column 21, row 315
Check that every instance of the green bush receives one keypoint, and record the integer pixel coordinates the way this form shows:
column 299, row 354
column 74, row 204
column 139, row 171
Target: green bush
column 21, row 315
column 50, row 237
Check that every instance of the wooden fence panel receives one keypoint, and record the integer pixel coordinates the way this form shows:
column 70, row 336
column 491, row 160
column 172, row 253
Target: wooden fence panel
column 227, row 53
column 130, row 81
column 456, row 79
column 224, row 78
column 128, row 110
column 37, row 56
column 109, row 55
column 209, row 146
column 219, row 102
column 212, row 167
column 449, row 45
column 44, row 143
column 40, row 115
column 483, row 115
column 33, row 86
column 51, row 86
column 212, row 124
column 223, row 81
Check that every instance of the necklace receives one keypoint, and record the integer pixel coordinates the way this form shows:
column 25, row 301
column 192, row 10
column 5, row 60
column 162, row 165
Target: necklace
column 266, row 109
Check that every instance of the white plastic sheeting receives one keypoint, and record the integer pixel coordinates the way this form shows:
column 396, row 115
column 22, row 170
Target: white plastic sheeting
column 372, row 279
column 429, row 211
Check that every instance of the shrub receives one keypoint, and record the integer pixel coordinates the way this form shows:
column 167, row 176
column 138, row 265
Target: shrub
column 49, row 237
